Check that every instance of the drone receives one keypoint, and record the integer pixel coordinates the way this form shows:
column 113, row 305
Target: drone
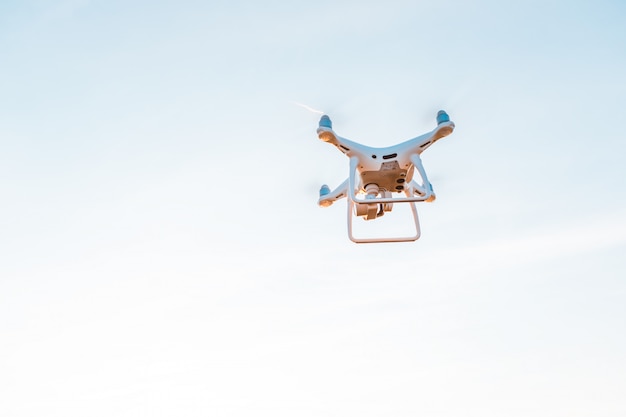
column 377, row 175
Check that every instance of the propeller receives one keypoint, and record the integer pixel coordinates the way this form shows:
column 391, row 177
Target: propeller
column 311, row 109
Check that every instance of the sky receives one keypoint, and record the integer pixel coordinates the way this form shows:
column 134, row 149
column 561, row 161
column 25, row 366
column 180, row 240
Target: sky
column 162, row 252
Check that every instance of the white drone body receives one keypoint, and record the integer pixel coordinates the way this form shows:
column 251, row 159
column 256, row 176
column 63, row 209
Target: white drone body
column 377, row 174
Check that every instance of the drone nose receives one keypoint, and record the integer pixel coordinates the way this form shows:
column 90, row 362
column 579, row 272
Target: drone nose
column 325, row 122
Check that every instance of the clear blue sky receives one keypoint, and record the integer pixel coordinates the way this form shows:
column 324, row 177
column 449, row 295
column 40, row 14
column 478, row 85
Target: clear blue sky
column 162, row 253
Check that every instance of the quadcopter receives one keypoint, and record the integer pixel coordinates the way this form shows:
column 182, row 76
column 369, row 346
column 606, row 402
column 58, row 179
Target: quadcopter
column 378, row 174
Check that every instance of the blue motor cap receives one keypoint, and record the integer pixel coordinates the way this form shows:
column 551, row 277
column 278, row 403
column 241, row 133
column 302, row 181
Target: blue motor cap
column 325, row 122
column 442, row 117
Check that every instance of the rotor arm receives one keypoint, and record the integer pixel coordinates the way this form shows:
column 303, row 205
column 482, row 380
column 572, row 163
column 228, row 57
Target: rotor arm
column 343, row 144
column 326, row 134
column 443, row 129
column 328, row 197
